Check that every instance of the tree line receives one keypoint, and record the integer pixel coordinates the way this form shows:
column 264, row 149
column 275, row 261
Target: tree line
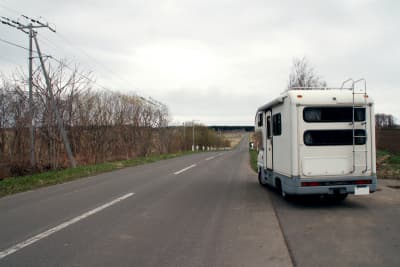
column 102, row 125
column 383, row 120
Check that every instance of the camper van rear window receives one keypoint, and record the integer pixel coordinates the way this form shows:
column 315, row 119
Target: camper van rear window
column 333, row 114
column 334, row 137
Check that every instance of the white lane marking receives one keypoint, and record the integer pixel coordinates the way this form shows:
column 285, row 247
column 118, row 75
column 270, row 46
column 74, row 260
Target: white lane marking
column 53, row 230
column 210, row 158
column 185, row 169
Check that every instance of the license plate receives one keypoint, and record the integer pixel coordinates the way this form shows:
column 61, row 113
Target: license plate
column 361, row 190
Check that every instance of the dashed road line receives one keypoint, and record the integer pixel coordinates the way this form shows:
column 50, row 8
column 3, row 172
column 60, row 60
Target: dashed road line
column 185, row 169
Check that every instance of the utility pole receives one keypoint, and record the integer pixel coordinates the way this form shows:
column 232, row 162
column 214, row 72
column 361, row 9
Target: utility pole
column 193, row 135
column 193, row 121
column 21, row 27
column 54, row 107
column 184, row 136
column 34, row 24
column 31, row 126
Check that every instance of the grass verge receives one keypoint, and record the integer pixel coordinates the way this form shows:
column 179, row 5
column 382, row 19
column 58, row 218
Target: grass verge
column 14, row 185
column 388, row 165
column 253, row 159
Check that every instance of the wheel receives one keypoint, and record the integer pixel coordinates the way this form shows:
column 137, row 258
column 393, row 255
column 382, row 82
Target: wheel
column 261, row 179
column 278, row 185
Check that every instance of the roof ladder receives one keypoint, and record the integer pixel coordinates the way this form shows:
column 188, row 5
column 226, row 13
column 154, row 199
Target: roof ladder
column 363, row 123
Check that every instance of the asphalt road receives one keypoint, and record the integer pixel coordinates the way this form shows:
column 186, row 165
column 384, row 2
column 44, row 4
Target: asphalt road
column 212, row 213
column 204, row 209
column 361, row 231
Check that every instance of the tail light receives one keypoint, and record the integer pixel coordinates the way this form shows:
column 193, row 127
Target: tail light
column 310, row 184
column 363, row 182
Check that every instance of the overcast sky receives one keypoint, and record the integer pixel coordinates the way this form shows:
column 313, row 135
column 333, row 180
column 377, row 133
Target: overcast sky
column 216, row 61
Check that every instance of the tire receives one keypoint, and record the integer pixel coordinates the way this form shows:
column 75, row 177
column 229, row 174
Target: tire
column 278, row 185
column 260, row 179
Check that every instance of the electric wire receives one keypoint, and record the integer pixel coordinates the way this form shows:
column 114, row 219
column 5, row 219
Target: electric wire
column 15, row 24
column 9, row 9
column 16, row 45
column 10, row 61
column 95, row 61
column 58, row 61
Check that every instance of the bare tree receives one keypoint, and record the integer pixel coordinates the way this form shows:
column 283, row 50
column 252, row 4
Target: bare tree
column 384, row 120
column 303, row 75
column 101, row 125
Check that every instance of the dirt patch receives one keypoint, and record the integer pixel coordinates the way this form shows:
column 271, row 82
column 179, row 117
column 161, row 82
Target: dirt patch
column 394, row 186
column 388, row 165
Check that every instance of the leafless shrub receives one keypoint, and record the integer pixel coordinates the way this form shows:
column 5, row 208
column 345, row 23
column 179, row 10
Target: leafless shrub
column 384, row 120
column 303, row 75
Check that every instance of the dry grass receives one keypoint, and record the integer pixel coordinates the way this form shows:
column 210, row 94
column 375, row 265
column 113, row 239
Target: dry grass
column 14, row 185
column 234, row 138
column 388, row 165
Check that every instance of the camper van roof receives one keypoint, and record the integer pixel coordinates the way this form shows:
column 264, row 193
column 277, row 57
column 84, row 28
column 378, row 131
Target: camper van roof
column 320, row 97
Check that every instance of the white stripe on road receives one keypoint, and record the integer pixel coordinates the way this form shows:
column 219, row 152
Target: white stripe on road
column 210, row 158
column 53, row 230
column 185, row 169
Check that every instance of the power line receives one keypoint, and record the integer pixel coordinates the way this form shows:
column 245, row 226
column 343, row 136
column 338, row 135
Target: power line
column 79, row 73
column 10, row 61
column 95, row 61
column 55, row 59
column 18, row 25
column 55, row 46
column 58, row 61
column 16, row 45
column 31, row 28
column 9, row 9
column 106, row 69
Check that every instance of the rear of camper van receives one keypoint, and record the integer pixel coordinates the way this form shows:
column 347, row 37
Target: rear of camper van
column 325, row 143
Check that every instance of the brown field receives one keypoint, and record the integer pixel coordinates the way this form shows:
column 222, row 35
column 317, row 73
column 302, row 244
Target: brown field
column 234, row 137
column 388, row 139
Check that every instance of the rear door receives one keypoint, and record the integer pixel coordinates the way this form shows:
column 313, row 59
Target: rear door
column 326, row 141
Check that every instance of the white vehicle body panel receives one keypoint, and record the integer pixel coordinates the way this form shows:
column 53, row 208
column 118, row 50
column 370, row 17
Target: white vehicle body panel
column 293, row 159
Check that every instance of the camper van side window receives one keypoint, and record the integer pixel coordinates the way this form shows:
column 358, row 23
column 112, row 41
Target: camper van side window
column 277, row 124
column 268, row 127
column 260, row 119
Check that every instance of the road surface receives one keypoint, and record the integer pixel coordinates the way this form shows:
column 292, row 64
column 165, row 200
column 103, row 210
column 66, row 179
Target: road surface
column 361, row 231
column 200, row 210
column 204, row 209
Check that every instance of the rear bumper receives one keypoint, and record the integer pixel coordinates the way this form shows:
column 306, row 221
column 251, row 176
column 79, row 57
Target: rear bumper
column 335, row 185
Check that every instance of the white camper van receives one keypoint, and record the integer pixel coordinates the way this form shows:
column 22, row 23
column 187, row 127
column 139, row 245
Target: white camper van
column 318, row 141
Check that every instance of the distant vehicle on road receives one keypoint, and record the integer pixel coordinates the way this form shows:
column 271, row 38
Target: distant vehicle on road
column 318, row 141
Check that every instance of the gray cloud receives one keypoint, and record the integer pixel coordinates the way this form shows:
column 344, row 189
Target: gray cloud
column 230, row 56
